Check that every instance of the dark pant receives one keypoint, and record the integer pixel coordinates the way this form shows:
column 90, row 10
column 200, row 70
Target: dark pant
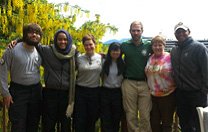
column 123, row 122
column 187, row 101
column 111, row 109
column 161, row 116
column 86, row 109
column 55, row 103
column 25, row 112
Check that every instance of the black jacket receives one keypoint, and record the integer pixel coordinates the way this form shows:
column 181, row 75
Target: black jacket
column 190, row 65
column 56, row 73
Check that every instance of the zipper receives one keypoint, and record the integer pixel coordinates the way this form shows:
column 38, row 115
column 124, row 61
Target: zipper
column 180, row 67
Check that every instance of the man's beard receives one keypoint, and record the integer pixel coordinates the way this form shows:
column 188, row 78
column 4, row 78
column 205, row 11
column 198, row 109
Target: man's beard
column 31, row 43
column 136, row 38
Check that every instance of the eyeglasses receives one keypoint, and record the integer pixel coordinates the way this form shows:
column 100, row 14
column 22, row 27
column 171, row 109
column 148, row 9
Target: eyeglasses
column 34, row 32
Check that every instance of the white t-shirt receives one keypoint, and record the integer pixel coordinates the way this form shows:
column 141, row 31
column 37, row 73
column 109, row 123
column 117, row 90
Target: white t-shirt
column 89, row 69
column 112, row 80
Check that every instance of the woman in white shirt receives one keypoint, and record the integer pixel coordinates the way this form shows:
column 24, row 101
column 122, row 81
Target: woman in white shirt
column 111, row 97
column 89, row 66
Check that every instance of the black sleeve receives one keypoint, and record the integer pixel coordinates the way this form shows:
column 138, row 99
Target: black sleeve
column 19, row 40
column 77, row 53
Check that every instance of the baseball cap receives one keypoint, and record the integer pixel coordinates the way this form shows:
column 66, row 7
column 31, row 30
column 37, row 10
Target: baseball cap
column 180, row 25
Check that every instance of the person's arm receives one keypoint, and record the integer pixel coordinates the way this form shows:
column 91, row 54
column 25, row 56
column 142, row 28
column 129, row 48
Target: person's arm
column 13, row 43
column 4, row 68
column 77, row 53
column 203, row 65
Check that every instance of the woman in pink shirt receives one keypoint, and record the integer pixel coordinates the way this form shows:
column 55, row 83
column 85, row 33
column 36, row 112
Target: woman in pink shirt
column 160, row 80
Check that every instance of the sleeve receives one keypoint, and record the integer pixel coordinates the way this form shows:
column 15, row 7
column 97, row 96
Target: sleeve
column 102, row 72
column 43, row 50
column 147, row 67
column 4, row 68
column 122, row 48
column 203, row 64
column 150, row 47
column 40, row 48
column 77, row 53
column 19, row 40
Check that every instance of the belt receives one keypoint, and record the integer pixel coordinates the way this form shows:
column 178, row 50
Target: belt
column 136, row 79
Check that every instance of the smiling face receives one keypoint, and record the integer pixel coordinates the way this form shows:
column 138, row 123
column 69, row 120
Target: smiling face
column 89, row 47
column 158, row 48
column 62, row 40
column 32, row 34
column 115, row 54
column 181, row 34
column 33, row 38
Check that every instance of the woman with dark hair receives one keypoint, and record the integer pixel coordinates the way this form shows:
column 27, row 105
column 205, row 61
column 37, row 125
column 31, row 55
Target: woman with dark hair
column 111, row 96
column 59, row 77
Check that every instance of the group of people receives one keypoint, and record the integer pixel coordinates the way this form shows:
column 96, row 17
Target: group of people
column 148, row 80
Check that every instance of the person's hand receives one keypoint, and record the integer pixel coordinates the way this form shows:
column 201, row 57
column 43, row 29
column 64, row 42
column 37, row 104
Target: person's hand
column 8, row 100
column 102, row 54
column 12, row 44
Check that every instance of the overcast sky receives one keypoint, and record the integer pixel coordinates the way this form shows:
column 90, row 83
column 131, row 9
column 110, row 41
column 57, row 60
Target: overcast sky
column 156, row 15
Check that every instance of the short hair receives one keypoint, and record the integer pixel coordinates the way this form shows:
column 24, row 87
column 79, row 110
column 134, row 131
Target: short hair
column 136, row 23
column 159, row 39
column 30, row 28
column 88, row 37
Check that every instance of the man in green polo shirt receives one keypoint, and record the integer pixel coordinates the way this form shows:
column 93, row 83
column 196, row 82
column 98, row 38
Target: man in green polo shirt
column 135, row 90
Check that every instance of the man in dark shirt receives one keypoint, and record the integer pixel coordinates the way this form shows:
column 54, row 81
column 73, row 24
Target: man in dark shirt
column 136, row 95
column 190, row 66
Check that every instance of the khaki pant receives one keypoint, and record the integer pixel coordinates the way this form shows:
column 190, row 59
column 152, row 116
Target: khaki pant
column 136, row 96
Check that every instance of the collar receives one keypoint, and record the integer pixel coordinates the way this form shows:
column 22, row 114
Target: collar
column 186, row 42
column 141, row 43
